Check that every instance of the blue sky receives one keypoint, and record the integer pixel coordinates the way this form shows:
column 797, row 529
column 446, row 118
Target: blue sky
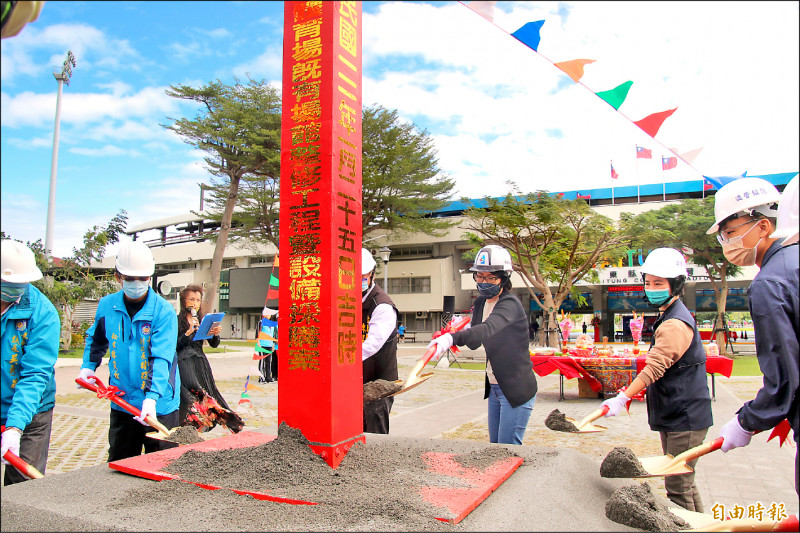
column 497, row 111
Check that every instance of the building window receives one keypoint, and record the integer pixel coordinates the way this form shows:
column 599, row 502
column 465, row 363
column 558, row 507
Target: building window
column 261, row 260
column 228, row 263
column 190, row 265
column 408, row 252
column 409, row 285
column 175, row 294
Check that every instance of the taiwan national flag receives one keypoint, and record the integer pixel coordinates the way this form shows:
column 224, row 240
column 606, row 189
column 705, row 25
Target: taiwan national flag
column 643, row 153
column 614, row 174
column 668, row 163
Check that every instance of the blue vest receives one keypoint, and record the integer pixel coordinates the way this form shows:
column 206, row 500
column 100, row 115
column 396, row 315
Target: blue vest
column 680, row 401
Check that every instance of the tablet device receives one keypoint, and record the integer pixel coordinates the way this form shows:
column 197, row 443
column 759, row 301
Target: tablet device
column 210, row 321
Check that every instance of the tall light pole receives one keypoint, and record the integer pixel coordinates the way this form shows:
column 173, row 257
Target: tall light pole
column 60, row 76
column 384, row 253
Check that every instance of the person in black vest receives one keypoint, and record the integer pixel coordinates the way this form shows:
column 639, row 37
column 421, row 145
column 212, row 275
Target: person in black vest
column 499, row 324
column 678, row 402
column 379, row 343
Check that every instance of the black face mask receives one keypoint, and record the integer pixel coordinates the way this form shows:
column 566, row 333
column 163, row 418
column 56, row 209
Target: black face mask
column 489, row 290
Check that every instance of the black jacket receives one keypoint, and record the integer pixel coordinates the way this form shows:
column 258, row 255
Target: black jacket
column 504, row 335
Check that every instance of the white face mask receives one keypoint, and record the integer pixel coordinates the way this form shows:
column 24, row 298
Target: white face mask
column 735, row 251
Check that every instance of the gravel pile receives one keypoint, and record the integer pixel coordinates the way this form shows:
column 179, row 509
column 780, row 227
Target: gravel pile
column 636, row 506
column 621, row 462
column 557, row 421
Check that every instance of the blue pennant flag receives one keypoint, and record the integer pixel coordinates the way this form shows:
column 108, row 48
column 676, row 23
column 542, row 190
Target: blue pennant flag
column 529, row 34
column 719, row 182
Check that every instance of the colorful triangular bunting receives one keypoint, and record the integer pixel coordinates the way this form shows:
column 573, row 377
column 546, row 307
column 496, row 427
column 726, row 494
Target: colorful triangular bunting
column 529, row 34
column 617, row 95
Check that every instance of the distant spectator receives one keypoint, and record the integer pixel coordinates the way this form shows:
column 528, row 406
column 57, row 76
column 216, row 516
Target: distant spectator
column 401, row 330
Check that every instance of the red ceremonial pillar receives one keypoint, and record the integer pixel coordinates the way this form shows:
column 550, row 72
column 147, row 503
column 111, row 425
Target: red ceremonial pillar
column 319, row 331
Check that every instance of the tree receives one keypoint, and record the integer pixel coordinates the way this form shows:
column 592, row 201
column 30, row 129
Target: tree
column 72, row 280
column 401, row 180
column 552, row 241
column 683, row 226
column 401, row 185
column 239, row 126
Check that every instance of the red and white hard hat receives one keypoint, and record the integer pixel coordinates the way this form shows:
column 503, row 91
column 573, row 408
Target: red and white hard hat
column 788, row 225
column 744, row 197
column 18, row 263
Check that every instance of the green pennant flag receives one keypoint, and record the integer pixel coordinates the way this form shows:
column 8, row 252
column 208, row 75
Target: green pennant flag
column 616, row 96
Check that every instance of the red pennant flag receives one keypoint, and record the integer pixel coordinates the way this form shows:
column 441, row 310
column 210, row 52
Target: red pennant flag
column 668, row 163
column 652, row 123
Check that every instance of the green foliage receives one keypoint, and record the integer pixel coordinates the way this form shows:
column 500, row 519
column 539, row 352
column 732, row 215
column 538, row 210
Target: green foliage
column 238, row 126
column 401, row 179
column 552, row 241
column 683, row 226
column 73, row 279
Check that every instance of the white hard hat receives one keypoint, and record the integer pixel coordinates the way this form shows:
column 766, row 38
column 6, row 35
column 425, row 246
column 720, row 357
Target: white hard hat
column 134, row 258
column 18, row 263
column 367, row 262
column 492, row 258
column 745, row 196
column 788, row 225
column 665, row 263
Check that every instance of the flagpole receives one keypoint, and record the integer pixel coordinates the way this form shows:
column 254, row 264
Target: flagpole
column 638, row 179
column 663, row 182
column 612, row 181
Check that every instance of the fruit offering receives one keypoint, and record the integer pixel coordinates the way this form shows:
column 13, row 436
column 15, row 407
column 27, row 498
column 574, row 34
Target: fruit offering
column 566, row 326
column 584, row 345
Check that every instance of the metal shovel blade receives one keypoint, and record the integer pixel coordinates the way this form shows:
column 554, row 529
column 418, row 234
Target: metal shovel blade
column 667, row 465
column 157, row 435
column 420, row 379
column 586, row 426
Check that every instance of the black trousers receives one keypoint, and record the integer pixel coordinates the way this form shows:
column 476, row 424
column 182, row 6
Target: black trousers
column 376, row 416
column 265, row 367
column 33, row 447
column 126, row 436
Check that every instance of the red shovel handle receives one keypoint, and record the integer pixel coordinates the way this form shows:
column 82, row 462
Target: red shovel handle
column 24, row 468
column 112, row 393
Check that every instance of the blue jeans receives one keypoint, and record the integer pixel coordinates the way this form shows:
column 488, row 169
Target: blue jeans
column 507, row 424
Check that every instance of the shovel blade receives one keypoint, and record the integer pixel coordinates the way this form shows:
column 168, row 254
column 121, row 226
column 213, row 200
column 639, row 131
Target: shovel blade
column 586, row 428
column 157, row 435
column 664, row 465
column 421, row 379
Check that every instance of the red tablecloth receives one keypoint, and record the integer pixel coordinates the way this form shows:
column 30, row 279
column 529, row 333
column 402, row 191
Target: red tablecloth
column 609, row 369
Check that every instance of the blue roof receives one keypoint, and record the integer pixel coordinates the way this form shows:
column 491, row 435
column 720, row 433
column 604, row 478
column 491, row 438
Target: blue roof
column 628, row 191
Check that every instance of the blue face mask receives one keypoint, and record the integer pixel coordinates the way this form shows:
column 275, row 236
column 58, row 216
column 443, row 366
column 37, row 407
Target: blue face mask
column 489, row 290
column 364, row 285
column 135, row 289
column 657, row 298
column 11, row 292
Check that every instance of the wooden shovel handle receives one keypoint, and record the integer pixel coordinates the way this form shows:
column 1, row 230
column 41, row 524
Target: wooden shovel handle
column 23, row 467
column 697, row 451
column 594, row 415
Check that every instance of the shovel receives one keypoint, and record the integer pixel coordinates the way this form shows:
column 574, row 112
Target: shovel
column 667, row 465
column 113, row 394
column 586, row 426
column 22, row 467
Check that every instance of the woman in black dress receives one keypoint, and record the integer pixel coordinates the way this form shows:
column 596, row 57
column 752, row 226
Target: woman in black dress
column 193, row 365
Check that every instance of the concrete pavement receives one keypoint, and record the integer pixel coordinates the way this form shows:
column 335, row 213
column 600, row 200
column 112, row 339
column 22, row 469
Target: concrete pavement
column 450, row 405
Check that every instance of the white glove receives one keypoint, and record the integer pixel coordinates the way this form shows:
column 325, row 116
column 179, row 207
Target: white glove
column 148, row 408
column 86, row 374
column 10, row 443
column 616, row 404
column 734, row 435
column 442, row 343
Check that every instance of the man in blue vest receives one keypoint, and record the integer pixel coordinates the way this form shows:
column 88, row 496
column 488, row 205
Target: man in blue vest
column 138, row 328
column 745, row 213
column 29, row 339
